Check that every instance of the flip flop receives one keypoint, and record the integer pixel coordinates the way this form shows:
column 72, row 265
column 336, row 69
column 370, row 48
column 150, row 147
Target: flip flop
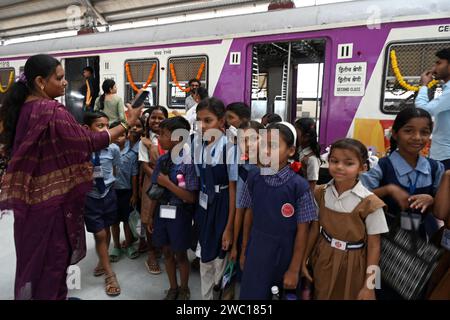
column 153, row 268
column 131, row 252
column 115, row 254
column 98, row 272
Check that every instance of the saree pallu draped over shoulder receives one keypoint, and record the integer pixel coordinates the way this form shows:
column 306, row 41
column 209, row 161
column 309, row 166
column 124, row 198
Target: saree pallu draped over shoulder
column 45, row 185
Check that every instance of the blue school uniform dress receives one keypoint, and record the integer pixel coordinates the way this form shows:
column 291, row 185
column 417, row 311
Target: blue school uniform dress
column 423, row 179
column 176, row 233
column 279, row 202
column 101, row 201
column 243, row 171
column 127, row 169
column 215, row 172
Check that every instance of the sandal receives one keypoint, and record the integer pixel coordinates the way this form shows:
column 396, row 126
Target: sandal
column 172, row 294
column 115, row 254
column 98, row 271
column 112, row 287
column 184, row 294
column 131, row 252
column 153, row 268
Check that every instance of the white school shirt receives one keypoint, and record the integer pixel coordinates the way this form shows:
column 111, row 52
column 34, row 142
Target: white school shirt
column 348, row 200
column 143, row 151
column 312, row 166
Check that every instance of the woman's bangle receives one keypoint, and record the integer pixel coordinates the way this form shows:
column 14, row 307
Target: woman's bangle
column 125, row 125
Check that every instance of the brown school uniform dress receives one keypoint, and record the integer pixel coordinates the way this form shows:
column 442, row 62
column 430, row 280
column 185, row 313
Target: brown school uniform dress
column 439, row 286
column 341, row 274
column 154, row 154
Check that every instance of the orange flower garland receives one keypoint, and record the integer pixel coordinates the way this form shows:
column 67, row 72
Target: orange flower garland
column 130, row 78
column 174, row 76
column 401, row 80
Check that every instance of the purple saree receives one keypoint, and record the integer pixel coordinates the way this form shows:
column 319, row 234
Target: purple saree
column 45, row 185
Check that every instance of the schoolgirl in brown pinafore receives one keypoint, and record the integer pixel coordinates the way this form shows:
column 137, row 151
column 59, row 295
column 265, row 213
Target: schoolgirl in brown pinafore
column 341, row 274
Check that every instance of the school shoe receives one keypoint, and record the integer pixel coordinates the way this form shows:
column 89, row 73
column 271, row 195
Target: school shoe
column 184, row 294
column 172, row 294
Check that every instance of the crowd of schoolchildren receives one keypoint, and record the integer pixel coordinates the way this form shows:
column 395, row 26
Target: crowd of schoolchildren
column 285, row 227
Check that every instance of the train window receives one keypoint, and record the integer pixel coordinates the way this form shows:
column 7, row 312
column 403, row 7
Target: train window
column 181, row 70
column 409, row 59
column 142, row 73
column 7, row 76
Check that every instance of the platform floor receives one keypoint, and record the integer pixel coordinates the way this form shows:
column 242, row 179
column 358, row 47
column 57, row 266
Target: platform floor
column 135, row 281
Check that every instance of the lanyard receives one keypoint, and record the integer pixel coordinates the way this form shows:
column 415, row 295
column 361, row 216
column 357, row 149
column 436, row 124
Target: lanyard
column 412, row 188
column 96, row 159
column 202, row 173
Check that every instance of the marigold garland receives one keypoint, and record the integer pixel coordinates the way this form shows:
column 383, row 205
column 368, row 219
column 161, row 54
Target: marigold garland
column 130, row 78
column 401, row 80
column 174, row 76
column 10, row 82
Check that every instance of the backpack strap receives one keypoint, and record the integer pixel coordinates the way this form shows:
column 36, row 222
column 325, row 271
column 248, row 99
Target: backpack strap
column 243, row 173
column 434, row 169
column 384, row 166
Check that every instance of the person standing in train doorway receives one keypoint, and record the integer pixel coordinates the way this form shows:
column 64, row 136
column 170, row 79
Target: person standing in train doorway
column 47, row 178
column 90, row 89
column 194, row 84
column 439, row 107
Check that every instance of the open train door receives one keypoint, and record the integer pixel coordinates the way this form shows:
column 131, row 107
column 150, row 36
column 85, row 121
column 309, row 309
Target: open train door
column 287, row 79
column 74, row 76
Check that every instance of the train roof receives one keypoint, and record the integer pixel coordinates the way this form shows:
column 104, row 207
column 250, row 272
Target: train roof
column 280, row 21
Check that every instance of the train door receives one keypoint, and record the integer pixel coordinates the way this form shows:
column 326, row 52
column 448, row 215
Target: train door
column 287, row 79
column 74, row 76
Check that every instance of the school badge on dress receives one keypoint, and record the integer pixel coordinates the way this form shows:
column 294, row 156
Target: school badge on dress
column 287, row 210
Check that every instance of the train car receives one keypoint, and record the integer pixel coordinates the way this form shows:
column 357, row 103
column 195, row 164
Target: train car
column 330, row 62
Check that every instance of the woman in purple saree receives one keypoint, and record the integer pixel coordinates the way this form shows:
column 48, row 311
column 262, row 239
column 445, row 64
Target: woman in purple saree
column 47, row 178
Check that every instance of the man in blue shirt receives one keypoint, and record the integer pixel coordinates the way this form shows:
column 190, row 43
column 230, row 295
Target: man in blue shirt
column 439, row 107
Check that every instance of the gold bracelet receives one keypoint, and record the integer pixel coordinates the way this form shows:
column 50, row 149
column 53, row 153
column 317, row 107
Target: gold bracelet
column 125, row 126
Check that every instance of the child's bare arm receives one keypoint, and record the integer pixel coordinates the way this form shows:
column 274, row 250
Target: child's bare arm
column 248, row 221
column 442, row 199
column 373, row 258
column 292, row 274
column 135, row 190
column 312, row 238
column 147, row 169
column 183, row 194
column 399, row 195
column 238, row 220
column 311, row 242
column 152, row 207
column 227, row 238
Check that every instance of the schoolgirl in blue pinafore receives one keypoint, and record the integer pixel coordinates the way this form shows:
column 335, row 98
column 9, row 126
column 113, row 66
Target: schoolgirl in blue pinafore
column 214, row 182
column 389, row 177
column 405, row 168
column 279, row 203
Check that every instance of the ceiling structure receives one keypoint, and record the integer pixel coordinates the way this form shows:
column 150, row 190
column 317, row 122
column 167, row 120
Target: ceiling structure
column 24, row 18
